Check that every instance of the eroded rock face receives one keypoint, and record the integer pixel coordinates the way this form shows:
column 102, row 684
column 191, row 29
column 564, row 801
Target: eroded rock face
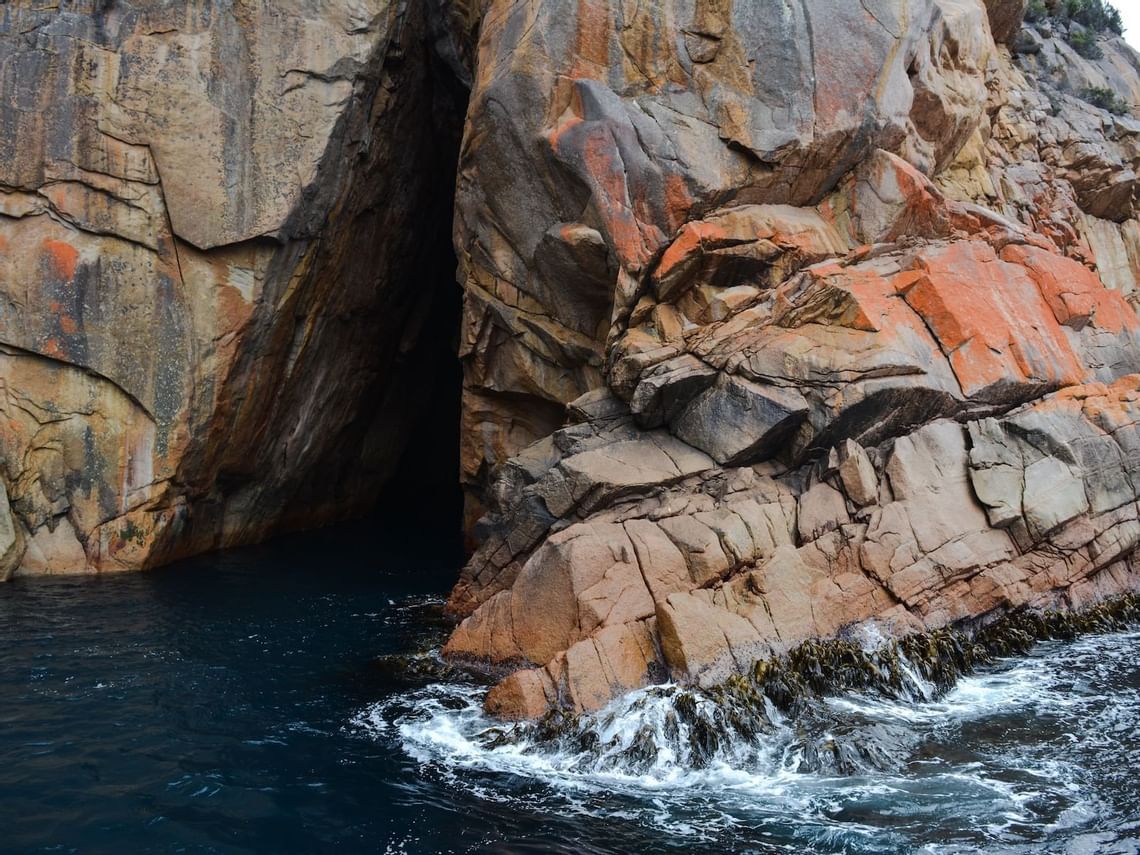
column 880, row 325
column 206, row 312
column 597, row 130
column 781, row 320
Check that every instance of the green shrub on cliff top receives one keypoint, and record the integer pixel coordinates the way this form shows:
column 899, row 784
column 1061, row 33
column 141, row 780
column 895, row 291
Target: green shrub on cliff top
column 1106, row 99
column 1084, row 43
column 1099, row 16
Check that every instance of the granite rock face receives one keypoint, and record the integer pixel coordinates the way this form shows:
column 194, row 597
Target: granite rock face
column 780, row 320
column 209, row 289
column 787, row 323
column 597, row 131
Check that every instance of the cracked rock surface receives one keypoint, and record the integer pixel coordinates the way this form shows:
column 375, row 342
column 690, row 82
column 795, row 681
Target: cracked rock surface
column 871, row 290
column 206, row 291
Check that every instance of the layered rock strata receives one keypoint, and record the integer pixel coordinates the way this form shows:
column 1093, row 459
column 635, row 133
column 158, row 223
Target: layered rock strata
column 787, row 325
column 212, row 282
column 781, row 320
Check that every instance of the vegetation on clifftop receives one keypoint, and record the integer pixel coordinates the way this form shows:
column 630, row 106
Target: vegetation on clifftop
column 1098, row 16
column 1106, row 99
column 1085, row 22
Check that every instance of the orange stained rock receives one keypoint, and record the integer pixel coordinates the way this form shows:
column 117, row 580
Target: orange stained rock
column 687, row 243
column 591, row 146
column 554, row 137
column 873, row 304
column 878, row 311
column 990, row 319
column 802, row 235
column 64, row 258
column 591, row 50
column 1074, row 293
column 51, row 347
column 1103, row 404
column 232, row 308
column 678, row 200
column 647, row 41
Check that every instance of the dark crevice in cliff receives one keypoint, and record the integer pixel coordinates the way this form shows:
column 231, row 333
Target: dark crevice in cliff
column 425, row 483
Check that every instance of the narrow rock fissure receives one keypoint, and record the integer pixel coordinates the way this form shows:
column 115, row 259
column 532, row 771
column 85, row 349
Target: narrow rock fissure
column 425, row 484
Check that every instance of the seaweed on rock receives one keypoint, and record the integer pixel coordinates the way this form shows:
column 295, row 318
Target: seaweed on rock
column 700, row 726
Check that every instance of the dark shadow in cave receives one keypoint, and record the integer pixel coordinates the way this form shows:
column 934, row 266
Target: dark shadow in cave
column 423, row 494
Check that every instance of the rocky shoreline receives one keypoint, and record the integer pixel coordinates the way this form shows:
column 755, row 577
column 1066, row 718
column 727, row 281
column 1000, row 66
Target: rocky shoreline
column 717, row 570
column 897, row 396
column 917, row 668
column 779, row 320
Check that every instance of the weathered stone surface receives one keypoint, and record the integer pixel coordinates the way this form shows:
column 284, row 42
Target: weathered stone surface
column 913, row 375
column 525, row 694
column 750, row 243
column 666, row 388
column 680, row 133
column 11, row 538
column 738, row 421
column 821, row 509
column 206, row 313
column 860, row 482
column 1005, row 18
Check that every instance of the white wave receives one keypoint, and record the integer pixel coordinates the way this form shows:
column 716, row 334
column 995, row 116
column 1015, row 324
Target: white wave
column 996, row 788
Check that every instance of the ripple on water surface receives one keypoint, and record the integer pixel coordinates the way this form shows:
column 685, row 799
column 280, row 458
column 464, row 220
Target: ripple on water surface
column 241, row 703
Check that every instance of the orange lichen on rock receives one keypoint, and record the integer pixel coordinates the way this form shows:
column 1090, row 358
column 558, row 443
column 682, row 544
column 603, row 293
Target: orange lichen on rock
column 594, row 24
column 1074, row 293
column 63, row 258
column 991, row 320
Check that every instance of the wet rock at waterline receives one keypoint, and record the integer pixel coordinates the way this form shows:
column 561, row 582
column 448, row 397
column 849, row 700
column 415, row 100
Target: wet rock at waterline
column 907, row 349
column 701, row 577
column 731, row 722
column 778, row 323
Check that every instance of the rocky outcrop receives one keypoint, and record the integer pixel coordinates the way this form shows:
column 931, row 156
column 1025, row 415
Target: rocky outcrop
column 780, row 320
column 597, row 130
column 208, row 313
column 699, row 578
column 839, row 312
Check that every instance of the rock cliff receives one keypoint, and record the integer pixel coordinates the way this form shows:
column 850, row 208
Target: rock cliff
column 780, row 320
column 838, row 301
column 214, row 274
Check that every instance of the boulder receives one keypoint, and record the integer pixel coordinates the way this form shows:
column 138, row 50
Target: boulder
column 738, row 421
column 857, row 473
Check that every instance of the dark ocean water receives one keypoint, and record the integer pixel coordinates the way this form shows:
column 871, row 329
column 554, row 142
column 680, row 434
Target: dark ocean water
column 237, row 703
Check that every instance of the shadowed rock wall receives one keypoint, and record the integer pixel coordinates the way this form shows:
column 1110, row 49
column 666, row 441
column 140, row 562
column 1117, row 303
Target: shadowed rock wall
column 211, row 219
